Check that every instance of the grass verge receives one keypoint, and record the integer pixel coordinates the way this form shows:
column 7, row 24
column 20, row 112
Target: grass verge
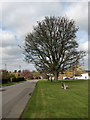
column 50, row 101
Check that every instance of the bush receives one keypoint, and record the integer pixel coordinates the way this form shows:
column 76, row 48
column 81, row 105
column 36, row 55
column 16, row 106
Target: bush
column 30, row 78
column 14, row 79
column 18, row 79
column 5, row 80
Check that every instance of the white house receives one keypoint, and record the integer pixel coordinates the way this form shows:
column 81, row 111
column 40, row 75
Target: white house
column 83, row 76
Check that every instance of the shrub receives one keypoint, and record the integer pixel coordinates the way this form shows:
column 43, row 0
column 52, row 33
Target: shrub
column 5, row 80
column 18, row 79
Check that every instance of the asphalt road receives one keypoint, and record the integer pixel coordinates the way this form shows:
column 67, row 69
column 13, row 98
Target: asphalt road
column 15, row 98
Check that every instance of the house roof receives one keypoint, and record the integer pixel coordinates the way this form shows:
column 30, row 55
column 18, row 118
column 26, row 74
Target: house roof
column 16, row 74
column 68, row 75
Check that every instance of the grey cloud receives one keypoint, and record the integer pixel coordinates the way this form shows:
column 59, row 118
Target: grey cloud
column 79, row 12
column 12, row 51
column 14, row 64
column 20, row 17
column 8, row 39
column 24, row 15
column 44, row 0
column 89, row 20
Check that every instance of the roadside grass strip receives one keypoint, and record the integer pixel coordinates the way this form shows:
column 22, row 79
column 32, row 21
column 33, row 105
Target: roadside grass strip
column 49, row 100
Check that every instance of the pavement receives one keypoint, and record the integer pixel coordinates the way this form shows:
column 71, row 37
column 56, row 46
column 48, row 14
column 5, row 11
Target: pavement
column 15, row 98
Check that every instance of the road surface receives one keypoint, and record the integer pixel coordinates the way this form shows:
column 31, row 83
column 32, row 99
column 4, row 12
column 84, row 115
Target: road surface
column 15, row 98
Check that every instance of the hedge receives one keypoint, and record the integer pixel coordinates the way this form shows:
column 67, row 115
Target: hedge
column 13, row 80
column 5, row 80
column 18, row 79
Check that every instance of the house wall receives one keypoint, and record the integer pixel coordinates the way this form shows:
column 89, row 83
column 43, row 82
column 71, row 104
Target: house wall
column 84, row 76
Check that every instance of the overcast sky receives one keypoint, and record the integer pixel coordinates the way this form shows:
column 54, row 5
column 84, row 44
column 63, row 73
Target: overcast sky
column 18, row 18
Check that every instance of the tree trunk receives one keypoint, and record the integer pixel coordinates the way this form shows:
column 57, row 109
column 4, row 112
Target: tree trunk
column 51, row 79
column 56, row 76
column 48, row 77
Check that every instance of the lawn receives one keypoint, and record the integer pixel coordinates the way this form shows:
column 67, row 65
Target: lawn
column 50, row 101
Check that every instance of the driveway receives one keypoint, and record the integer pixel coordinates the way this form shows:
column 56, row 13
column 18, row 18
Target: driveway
column 15, row 98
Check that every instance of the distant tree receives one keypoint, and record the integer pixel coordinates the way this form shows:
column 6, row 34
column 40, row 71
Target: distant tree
column 52, row 45
column 76, row 70
column 27, row 74
column 19, row 71
column 15, row 71
column 36, row 74
column 68, row 72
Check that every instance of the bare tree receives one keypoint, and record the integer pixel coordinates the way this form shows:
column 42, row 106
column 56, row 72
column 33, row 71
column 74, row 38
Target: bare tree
column 52, row 46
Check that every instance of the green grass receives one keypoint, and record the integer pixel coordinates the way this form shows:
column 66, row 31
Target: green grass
column 12, row 83
column 50, row 101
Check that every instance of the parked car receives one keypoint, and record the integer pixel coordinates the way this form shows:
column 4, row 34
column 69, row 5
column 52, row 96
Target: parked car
column 71, row 77
column 66, row 78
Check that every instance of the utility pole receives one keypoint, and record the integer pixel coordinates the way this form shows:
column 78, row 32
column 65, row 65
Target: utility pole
column 5, row 66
